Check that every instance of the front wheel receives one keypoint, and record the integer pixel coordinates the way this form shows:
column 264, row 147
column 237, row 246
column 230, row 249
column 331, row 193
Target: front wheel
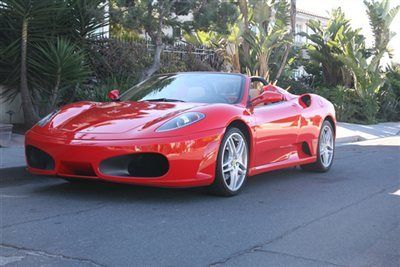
column 326, row 150
column 232, row 164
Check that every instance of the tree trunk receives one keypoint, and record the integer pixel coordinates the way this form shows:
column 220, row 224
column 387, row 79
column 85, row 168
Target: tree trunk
column 236, row 59
column 56, row 91
column 246, row 46
column 263, row 69
column 30, row 115
column 155, row 65
column 292, row 35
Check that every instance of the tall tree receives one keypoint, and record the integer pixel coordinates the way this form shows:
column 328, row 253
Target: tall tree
column 325, row 44
column 380, row 18
column 364, row 66
column 292, row 35
column 153, row 18
column 32, row 30
column 246, row 28
column 20, row 22
column 265, row 36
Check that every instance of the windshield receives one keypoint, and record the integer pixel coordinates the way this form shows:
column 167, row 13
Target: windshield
column 188, row 87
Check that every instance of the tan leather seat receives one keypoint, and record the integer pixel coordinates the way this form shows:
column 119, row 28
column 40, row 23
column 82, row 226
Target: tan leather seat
column 253, row 93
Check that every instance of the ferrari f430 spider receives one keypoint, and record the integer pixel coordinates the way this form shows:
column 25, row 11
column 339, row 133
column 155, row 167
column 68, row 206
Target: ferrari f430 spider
column 186, row 130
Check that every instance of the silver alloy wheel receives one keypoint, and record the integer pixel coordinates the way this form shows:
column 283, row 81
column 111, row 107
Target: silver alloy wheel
column 326, row 146
column 234, row 161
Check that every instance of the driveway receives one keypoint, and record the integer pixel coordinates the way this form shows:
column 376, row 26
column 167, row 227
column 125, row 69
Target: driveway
column 349, row 216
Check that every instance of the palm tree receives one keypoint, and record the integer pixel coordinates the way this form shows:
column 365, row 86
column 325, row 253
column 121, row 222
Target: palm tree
column 289, row 44
column 20, row 21
column 380, row 18
column 368, row 78
column 34, row 30
column 265, row 35
column 325, row 44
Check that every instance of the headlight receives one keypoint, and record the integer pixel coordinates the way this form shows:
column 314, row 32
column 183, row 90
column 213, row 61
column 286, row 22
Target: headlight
column 181, row 121
column 46, row 119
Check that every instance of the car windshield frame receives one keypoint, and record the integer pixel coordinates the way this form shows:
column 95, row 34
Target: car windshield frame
column 130, row 93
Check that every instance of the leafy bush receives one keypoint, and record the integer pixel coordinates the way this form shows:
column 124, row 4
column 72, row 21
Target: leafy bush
column 347, row 105
column 389, row 96
column 41, row 49
column 118, row 64
column 61, row 65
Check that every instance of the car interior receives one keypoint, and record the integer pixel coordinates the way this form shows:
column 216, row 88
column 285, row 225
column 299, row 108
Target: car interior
column 257, row 87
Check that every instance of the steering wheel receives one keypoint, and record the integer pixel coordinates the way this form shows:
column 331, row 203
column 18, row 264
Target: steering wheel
column 258, row 79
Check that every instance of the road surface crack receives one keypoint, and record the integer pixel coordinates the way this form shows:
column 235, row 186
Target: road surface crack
column 42, row 253
column 259, row 247
column 298, row 257
column 55, row 216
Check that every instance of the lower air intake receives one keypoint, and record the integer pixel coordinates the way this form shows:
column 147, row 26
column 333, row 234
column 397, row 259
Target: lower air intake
column 38, row 159
column 136, row 165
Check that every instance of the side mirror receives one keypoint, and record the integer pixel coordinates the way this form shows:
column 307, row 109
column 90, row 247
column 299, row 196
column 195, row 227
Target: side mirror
column 267, row 97
column 113, row 95
column 270, row 88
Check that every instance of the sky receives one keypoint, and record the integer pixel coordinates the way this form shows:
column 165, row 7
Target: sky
column 356, row 12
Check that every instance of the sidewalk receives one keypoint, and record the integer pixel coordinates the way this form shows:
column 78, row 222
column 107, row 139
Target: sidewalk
column 13, row 155
column 349, row 132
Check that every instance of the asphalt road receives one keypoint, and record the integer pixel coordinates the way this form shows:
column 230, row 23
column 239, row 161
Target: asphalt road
column 347, row 217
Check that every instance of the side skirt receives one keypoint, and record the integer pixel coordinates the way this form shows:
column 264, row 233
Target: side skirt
column 293, row 160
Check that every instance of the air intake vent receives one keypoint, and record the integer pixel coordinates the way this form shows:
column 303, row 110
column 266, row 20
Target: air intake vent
column 39, row 159
column 305, row 101
column 136, row 165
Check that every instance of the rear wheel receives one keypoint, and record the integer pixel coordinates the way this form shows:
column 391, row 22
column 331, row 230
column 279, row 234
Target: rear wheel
column 232, row 164
column 325, row 151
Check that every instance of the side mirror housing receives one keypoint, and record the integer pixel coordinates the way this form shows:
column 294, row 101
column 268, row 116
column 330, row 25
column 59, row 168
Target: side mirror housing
column 270, row 88
column 267, row 97
column 113, row 95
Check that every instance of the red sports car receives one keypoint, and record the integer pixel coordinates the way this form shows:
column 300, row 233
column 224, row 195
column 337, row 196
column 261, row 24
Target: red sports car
column 186, row 130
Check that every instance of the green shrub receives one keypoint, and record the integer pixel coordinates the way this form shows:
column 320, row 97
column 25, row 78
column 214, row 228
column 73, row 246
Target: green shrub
column 347, row 105
column 119, row 64
column 389, row 96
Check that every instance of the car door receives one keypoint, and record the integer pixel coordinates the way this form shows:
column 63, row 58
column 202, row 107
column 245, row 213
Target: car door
column 277, row 126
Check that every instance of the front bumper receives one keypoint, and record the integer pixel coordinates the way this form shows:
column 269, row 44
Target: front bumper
column 192, row 159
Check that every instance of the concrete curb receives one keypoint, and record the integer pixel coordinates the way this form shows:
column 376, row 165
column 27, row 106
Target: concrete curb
column 350, row 139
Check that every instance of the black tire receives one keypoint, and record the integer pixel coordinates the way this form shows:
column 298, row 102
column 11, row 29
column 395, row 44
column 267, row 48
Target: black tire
column 318, row 166
column 219, row 186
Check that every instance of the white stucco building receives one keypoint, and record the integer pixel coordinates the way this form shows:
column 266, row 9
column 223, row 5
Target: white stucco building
column 302, row 18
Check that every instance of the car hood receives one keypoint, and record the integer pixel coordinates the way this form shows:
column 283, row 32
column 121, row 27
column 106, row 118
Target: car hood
column 113, row 117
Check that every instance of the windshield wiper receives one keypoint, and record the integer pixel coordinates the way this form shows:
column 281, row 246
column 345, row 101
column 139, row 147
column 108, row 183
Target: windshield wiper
column 163, row 100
